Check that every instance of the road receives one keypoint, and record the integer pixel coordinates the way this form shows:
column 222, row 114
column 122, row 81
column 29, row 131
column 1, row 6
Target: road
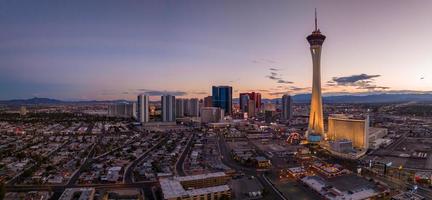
column 128, row 172
column 61, row 188
column 228, row 161
column 179, row 166
column 87, row 161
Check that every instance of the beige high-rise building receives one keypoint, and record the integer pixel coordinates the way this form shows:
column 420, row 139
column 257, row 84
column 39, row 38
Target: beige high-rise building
column 211, row 114
column 316, row 119
column 342, row 127
column 251, row 108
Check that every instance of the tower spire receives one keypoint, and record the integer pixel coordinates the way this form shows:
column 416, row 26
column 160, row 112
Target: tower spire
column 316, row 20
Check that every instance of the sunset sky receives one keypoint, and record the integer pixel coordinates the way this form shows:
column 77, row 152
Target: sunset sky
column 116, row 49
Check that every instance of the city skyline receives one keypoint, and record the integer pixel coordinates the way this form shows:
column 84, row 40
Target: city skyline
column 181, row 100
column 117, row 50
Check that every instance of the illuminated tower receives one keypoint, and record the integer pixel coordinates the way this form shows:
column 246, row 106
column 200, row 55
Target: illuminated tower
column 316, row 120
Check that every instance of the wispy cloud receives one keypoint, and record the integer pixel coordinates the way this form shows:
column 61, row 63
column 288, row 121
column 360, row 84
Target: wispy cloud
column 288, row 90
column 277, row 93
column 263, row 60
column 284, row 81
column 199, row 93
column 274, row 75
column 162, row 92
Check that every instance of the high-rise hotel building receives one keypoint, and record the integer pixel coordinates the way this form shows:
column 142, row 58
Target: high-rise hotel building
column 168, row 108
column 143, row 108
column 222, row 98
column 286, row 107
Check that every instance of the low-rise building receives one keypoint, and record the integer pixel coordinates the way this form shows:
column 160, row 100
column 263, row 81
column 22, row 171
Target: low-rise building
column 349, row 186
column 263, row 162
column 210, row 186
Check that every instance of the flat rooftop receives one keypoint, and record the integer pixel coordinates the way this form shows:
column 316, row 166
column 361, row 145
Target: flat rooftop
column 349, row 182
column 342, row 187
column 199, row 176
column 173, row 189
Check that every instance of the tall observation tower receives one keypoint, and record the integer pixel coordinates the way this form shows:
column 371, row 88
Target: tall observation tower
column 316, row 120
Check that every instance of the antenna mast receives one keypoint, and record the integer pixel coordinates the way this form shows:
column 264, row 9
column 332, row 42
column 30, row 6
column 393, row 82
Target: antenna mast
column 316, row 20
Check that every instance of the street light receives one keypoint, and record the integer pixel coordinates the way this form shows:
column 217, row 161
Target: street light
column 400, row 169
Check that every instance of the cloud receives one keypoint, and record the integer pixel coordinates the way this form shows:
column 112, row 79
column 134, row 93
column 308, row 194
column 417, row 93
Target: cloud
column 294, row 88
column 255, row 90
column 263, row 60
column 347, row 80
column 199, row 93
column 162, row 92
column 284, row 82
column 274, row 69
column 277, row 93
column 374, row 87
column 377, row 92
column 269, row 60
column 277, row 77
column 273, row 77
column 361, row 81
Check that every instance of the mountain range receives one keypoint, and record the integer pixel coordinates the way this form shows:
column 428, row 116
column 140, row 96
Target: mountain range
column 48, row 101
column 300, row 98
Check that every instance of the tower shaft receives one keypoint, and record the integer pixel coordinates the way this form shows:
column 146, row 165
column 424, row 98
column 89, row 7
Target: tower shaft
column 316, row 119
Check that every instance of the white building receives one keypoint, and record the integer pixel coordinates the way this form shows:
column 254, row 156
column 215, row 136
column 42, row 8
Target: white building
column 168, row 108
column 143, row 108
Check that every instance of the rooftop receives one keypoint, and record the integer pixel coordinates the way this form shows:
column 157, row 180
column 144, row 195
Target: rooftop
column 172, row 189
column 342, row 187
column 199, row 176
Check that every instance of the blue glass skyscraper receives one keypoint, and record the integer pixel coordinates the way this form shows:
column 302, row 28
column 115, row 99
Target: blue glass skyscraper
column 222, row 98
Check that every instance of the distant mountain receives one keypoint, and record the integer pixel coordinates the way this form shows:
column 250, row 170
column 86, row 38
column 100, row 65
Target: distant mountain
column 32, row 101
column 300, row 98
column 48, row 101
column 373, row 98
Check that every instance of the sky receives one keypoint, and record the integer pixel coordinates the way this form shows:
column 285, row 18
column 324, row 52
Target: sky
column 112, row 49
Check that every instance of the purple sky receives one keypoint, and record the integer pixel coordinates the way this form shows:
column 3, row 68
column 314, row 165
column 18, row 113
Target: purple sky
column 117, row 49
